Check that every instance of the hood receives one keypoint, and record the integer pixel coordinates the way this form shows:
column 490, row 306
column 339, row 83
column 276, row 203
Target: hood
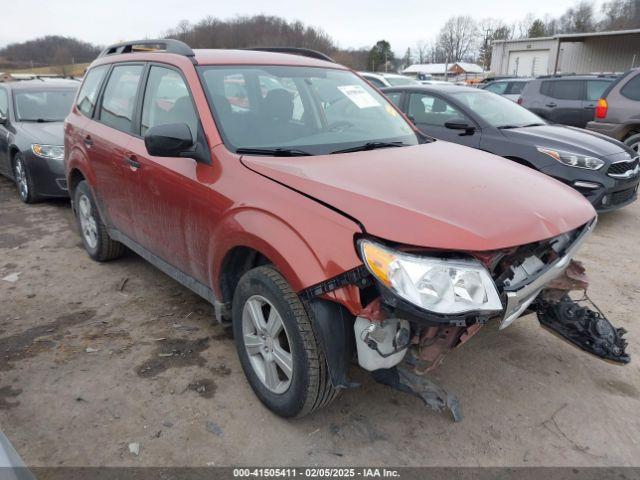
column 438, row 195
column 566, row 138
column 46, row 133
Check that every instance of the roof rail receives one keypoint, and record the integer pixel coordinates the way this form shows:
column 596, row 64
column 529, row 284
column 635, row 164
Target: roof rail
column 170, row 46
column 304, row 52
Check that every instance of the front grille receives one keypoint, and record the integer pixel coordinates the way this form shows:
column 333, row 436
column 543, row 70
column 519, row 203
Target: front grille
column 622, row 196
column 620, row 168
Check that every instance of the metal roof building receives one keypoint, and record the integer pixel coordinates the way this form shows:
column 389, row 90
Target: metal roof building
column 597, row 52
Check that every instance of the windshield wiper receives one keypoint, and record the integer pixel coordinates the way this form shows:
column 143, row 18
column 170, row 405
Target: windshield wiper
column 274, row 152
column 507, row 127
column 371, row 146
column 534, row 125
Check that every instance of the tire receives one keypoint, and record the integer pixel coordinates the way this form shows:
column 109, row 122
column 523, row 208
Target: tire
column 308, row 387
column 24, row 182
column 633, row 141
column 97, row 242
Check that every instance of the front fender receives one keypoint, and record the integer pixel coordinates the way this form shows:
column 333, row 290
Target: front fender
column 305, row 256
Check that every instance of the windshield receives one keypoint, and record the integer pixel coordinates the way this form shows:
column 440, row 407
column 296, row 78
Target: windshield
column 43, row 105
column 496, row 110
column 400, row 81
column 312, row 110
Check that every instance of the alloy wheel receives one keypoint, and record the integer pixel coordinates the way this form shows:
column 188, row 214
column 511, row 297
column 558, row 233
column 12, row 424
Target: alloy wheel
column 88, row 223
column 267, row 343
column 21, row 179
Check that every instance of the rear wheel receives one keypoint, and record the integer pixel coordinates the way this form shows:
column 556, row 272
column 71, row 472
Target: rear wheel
column 97, row 242
column 24, row 183
column 280, row 353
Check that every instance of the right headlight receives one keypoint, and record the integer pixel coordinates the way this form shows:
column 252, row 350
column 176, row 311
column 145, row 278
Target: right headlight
column 573, row 159
column 436, row 284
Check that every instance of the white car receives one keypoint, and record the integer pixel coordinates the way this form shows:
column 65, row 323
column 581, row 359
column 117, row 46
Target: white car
column 510, row 88
column 380, row 79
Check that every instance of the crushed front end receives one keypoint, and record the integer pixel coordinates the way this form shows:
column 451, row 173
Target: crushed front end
column 421, row 305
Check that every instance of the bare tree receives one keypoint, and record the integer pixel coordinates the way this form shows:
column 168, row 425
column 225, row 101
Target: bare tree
column 490, row 29
column 458, row 38
column 578, row 19
column 420, row 51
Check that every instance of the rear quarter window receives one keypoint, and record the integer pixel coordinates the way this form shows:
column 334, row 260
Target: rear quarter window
column 89, row 90
column 631, row 89
column 596, row 88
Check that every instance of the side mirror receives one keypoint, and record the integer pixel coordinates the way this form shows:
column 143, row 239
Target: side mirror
column 170, row 140
column 460, row 124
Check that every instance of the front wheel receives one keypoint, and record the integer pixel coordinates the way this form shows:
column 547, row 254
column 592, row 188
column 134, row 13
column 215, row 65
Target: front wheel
column 279, row 351
column 23, row 179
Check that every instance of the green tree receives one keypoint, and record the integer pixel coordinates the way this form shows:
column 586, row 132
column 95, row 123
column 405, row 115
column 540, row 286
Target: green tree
column 537, row 29
column 380, row 56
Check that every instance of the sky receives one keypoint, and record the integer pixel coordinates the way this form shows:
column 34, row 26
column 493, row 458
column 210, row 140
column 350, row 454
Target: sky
column 353, row 23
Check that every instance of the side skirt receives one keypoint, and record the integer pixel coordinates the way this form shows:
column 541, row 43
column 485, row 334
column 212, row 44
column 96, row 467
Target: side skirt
column 179, row 276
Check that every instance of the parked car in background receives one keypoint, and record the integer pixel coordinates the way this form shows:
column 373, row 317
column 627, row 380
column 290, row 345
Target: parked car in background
column 618, row 110
column 510, row 88
column 494, row 78
column 435, row 82
column 378, row 79
column 31, row 135
column 568, row 100
column 602, row 169
column 322, row 234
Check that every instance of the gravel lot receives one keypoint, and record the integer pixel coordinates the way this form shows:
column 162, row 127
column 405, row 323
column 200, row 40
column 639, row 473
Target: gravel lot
column 85, row 370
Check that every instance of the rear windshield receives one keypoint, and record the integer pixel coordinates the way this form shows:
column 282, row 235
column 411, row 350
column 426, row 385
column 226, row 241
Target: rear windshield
column 401, row 81
column 312, row 109
column 43, row 105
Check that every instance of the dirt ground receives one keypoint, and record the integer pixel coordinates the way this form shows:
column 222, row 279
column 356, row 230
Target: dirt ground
column 94, row 357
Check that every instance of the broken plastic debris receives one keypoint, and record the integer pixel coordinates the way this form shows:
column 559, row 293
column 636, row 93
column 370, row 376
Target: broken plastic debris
column 214, row 428
column 91, row 350
column 134, row 448
column 12, row 277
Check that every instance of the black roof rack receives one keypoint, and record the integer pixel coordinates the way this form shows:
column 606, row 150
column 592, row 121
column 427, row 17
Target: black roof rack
column 167, row 45
column 304, row 52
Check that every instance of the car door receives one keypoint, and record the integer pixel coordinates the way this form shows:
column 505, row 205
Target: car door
column 107, row 137
column 431, row 112
column 4, row 132
column 173, row 201
column 564, row 102
column 594, row 90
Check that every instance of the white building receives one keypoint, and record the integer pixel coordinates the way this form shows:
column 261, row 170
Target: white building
column 597, row 52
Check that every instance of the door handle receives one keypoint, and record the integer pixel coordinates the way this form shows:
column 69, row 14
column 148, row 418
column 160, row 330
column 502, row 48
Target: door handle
column 590, row 106
column 88, row 141
column 132, row 162
column 552, row 104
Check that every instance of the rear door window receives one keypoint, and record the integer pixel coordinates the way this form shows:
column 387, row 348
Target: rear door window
column 632, row 89
column 89, row 90
column 119, row 99
column 566, row 89
column 595, row 89
column 167, row 100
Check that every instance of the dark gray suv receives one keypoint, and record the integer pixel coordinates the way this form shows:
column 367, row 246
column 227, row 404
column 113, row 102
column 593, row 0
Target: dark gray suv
column 618, row 110
column 568, row 100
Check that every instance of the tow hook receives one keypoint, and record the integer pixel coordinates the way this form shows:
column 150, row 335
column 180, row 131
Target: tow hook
column 586, row 329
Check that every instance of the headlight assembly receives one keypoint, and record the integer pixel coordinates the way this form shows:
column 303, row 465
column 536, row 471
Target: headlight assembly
column 573, row 159
column 436, row 284
column 54, row 152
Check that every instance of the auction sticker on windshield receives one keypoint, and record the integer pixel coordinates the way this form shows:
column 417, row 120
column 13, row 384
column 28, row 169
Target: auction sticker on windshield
column 358, row 95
